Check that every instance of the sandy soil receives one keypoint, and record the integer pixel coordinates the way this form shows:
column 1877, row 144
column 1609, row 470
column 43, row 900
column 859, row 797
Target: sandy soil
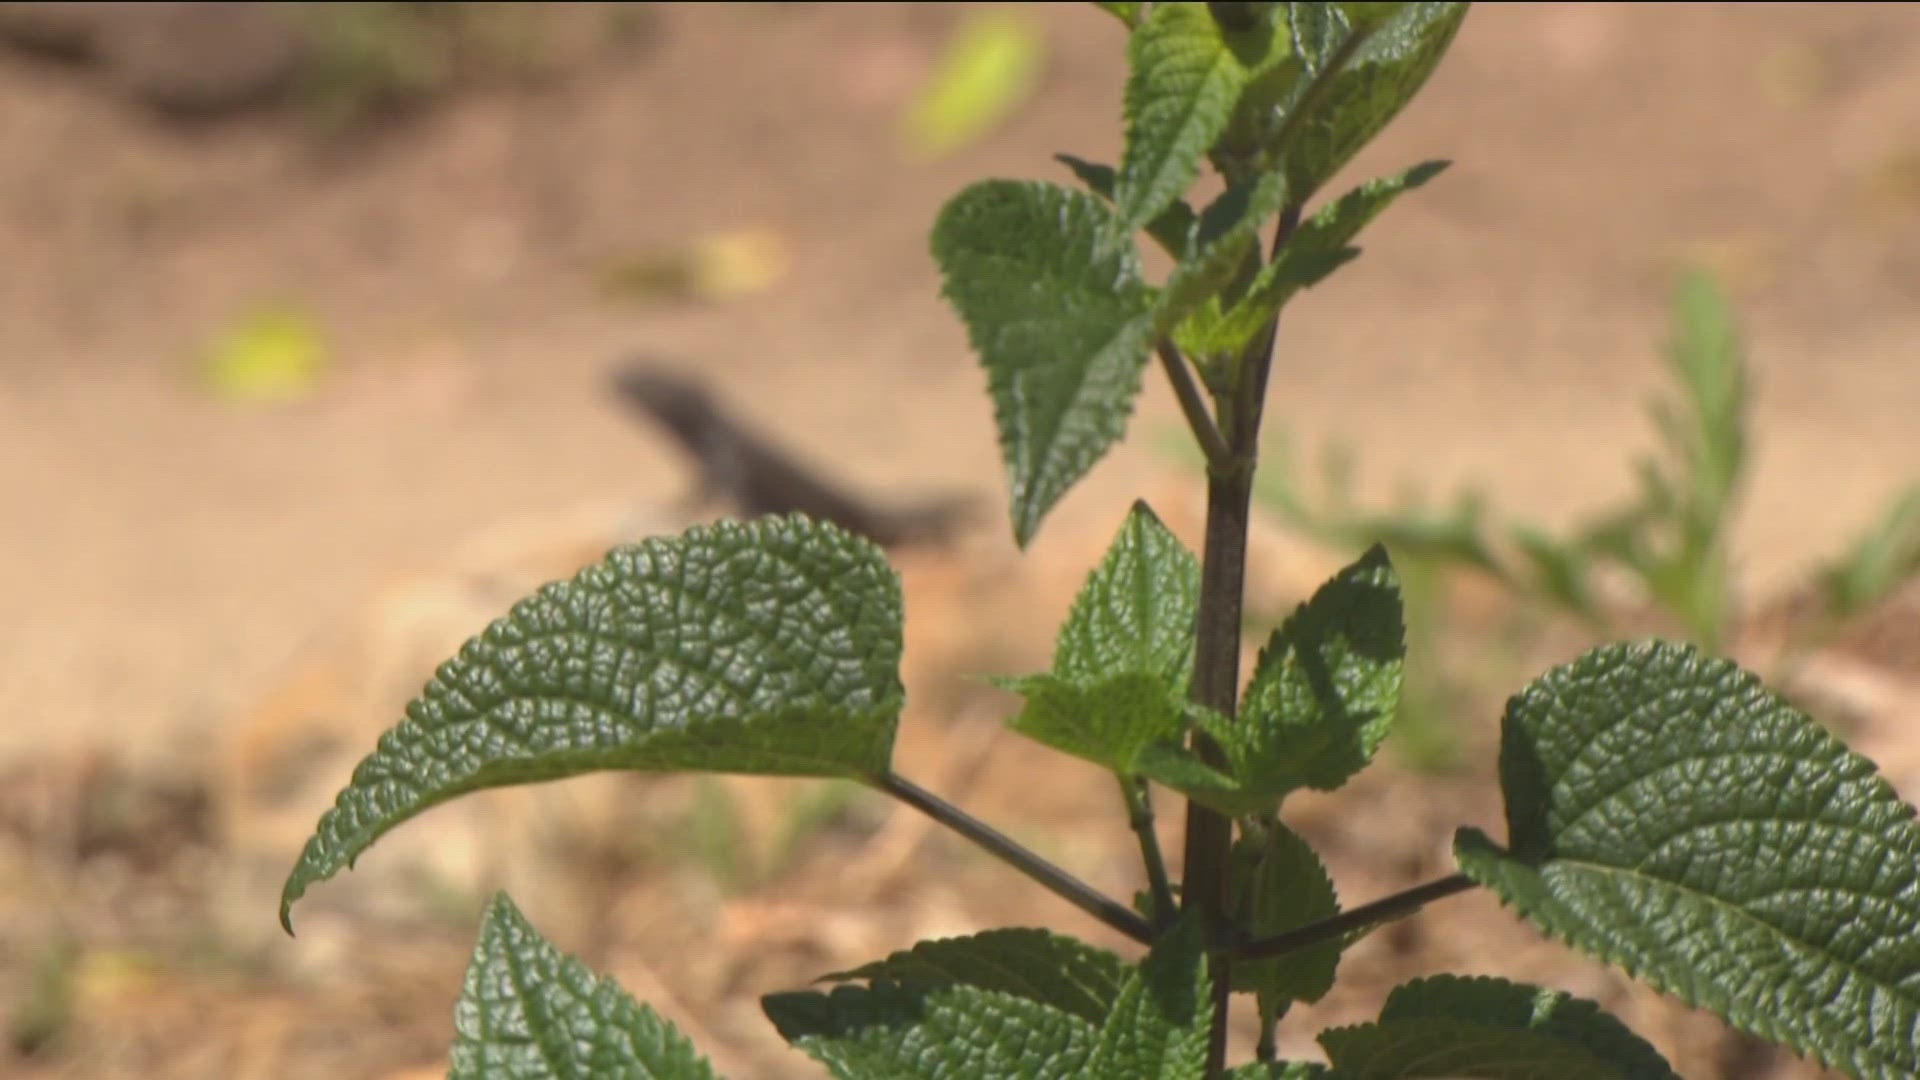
column 171, row 560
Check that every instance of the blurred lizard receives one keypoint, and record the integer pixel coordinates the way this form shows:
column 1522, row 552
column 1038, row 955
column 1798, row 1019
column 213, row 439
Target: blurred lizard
column 744, row 468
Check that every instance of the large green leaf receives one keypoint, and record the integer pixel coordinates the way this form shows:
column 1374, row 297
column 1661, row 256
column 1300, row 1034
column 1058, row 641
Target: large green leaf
column 528, row 1012
column 933, row 1031
column 1054, row 304
column 768, row 647
column 1326, row 687
column 1037, row 965
column 1125, row 656
column 1286, row 887
column 1669, row 814
column 1456, row 1027
column 1159, row 1025
column 1184, row 83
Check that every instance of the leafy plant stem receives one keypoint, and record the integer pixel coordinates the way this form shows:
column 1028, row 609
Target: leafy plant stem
column 1140, row 817
column 1216, row 672
column 1386, row 909
column 1193, row 405
column 1000, row 845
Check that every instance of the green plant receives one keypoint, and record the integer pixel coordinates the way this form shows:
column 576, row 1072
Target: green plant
column 1665, row 812
column 1666, row 549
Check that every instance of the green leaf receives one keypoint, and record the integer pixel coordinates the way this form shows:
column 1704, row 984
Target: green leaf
column 1325, row 689
column 1454, row 1026
column 985, row 73
column 1127, row 13
column 1317, row 248
column 1136, row 611
column 1110, row 722
column 1172, row 228
column 1124, row 659
column 769, row 647
column 1367, row 77
column 1184, row 82
column 1670, row 815
column 1052, row 297
column 529, row 1012
column 1048, row 968
column 1285, row 887
column 936, row 1031
column 1226, row 235
column 272, row 355
column 1159, row 1024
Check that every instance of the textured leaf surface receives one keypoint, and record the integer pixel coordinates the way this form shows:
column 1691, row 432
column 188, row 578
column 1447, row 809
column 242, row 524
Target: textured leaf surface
column 1183, row 86
column 529, row 1012
column 1324, row 692
column 769, row 647
column 933, row 1031
column 1053, row 970
column 1289, row 888
column 1136, row 611
column 1124, row 658
column 1052, row 297
column 1670, row 815
column 1456, row 1027
column 1158, row 1027
column 1363, row 86
column 1172, row 228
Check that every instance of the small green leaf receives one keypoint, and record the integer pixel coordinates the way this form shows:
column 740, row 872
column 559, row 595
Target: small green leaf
column 272, row 355
column 938, row 1031
column 1056, row 971
column 1172, row 228
column 768, row 647
column 1224, row 237
column 1159, row 1024
column 1455, row 1027
column 1110, row 722
column 1326, row 687
column 1317, row 248
column 1124, row 659
column 1285, row 887
column 1670, row 815
column 1369, row 77
column 1052, row 297
column 1184, row 82
column 1136, row 611
column 531, row 1013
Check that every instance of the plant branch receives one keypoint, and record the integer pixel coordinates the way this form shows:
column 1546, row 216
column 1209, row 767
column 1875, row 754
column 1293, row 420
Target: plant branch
column 1216, row 672
column 1058, row 881
column 1140, row 817
column 1193, row 405
column 1387, row 909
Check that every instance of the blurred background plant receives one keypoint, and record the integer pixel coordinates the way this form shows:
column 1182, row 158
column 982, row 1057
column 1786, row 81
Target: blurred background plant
column 1659, row 562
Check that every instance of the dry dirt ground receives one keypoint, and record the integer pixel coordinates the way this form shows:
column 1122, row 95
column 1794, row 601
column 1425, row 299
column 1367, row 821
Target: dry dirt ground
column 198, row 590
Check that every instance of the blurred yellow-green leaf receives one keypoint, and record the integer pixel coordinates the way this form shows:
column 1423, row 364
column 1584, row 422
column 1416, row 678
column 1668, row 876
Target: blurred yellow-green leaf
column 989, row 68
column 270, row 355
column 717, row 267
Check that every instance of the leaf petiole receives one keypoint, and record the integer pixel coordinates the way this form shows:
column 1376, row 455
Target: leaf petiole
column 1006, row 849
